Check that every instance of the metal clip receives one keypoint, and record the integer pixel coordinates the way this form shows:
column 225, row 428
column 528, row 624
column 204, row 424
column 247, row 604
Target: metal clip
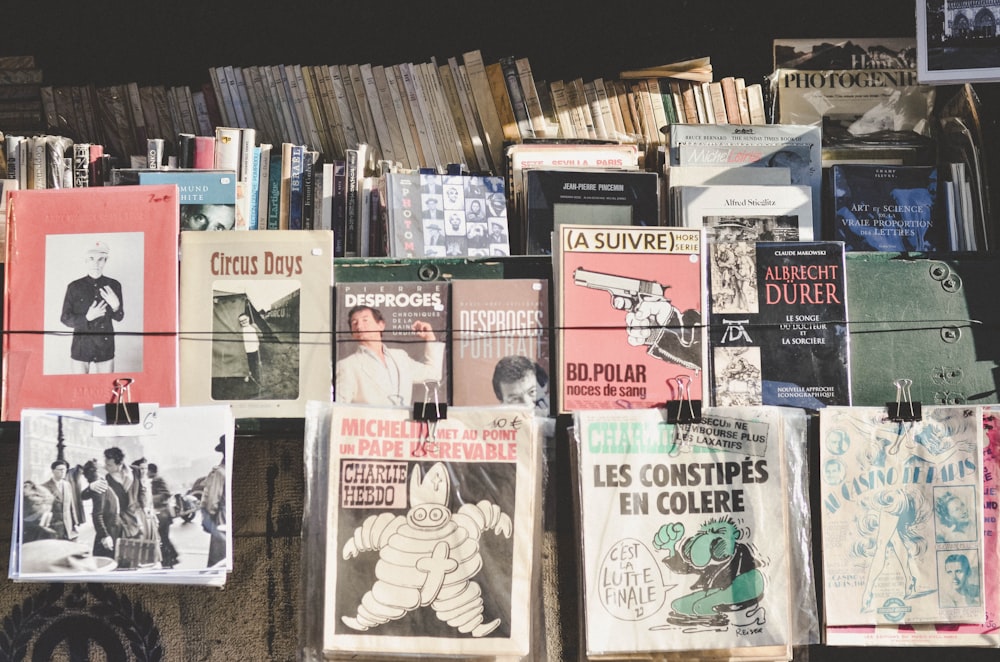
column 121, row 411
column 904, row 409
column 683, row 409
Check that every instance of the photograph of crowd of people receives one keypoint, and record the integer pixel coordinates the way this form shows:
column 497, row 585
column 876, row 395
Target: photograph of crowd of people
column 95, row 502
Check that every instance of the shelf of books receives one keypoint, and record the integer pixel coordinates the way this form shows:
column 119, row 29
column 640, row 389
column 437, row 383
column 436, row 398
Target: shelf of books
column 658, row 365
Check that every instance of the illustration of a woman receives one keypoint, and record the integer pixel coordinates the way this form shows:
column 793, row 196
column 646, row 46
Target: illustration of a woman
column 891, row 527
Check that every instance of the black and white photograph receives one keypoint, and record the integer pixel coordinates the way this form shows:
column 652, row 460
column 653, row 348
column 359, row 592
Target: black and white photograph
column 255, row 340
column 958, row 42
column 98, row 504
column 93, row 303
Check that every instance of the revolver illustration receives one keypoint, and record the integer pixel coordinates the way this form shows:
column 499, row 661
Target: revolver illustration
column 674, row 338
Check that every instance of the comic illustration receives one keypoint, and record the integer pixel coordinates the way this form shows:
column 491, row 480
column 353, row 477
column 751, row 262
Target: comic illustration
column 431, row 531
column 902, row 538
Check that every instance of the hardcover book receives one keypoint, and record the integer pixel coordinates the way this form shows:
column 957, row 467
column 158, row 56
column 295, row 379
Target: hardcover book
column 797, row 147
column 90, row 296
column 255, row 320
column 500, row 342
column 677, row 554
column 630, row 304
column 986, row 633
column 392, row 341
column 887, row 208
column 431, row 541
column 913, row 488
column 775, row 213
column 951, row 360
column 98, row 499
column 207, row 197
column 778, row 332
column 587, row 196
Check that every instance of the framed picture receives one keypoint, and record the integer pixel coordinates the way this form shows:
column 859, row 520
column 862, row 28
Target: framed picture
column 957, row 43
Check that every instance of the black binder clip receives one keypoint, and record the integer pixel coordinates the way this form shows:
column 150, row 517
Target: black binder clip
column 683, row 409
column 904, row 409
column 429, row 412
column 121, row 411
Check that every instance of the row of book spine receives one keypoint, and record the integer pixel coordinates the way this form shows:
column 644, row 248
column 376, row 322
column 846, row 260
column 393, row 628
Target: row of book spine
column 426, row 114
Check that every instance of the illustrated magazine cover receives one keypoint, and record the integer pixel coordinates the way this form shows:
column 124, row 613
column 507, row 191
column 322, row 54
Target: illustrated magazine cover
column 986, row 633
column 685, row 541
column 630, row 315
column 915, row 487
column 431, row 531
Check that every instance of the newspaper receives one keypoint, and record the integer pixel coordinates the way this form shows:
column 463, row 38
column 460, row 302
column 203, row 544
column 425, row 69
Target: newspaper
column 685, row 543
column 902, row 539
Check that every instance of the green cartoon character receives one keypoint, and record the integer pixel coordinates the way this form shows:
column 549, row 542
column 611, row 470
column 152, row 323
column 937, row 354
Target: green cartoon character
column 728, row 574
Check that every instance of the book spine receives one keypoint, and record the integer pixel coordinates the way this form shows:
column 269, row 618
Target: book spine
column 325, row 196
column 561, row 106
column 731, row 100
column 536, row 117
column 493, row 132
column 469, row 112
column 741, row 101
column 81, row 165
column 404, row 115
column 295, row 188
column 310, row 160
column 254, row 192
column 517, row 97
column 344, row 106
column 155, row 153
column 263, row 184
column 204, row 153
column 388, row 111
column 227, row 149
column 338, row 220
column 95, row 165
column 594, row 104
column 352, row 213
column 274, row 193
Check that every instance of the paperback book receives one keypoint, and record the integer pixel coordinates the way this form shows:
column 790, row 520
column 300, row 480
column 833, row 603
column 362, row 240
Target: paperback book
column 778, row 333
column 797, row 147
column 630, row 304
column 256, row 320
column 915, row 488
column 986, row 633
column 682, row 549
column 555, row 196
column 501, row 342
column 207, row 197
column 887, row 208
column 392, row 340
column 90, row 296
column 431, row 540
column 557, row 154
column 97, row 499
column 854, row 102
column 432, row 215
column 773, row 213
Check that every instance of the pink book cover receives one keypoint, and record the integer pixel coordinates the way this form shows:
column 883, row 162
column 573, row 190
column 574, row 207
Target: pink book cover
column 90, row 296
column 986, row 633
column 204, row 152
column 630, row 305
